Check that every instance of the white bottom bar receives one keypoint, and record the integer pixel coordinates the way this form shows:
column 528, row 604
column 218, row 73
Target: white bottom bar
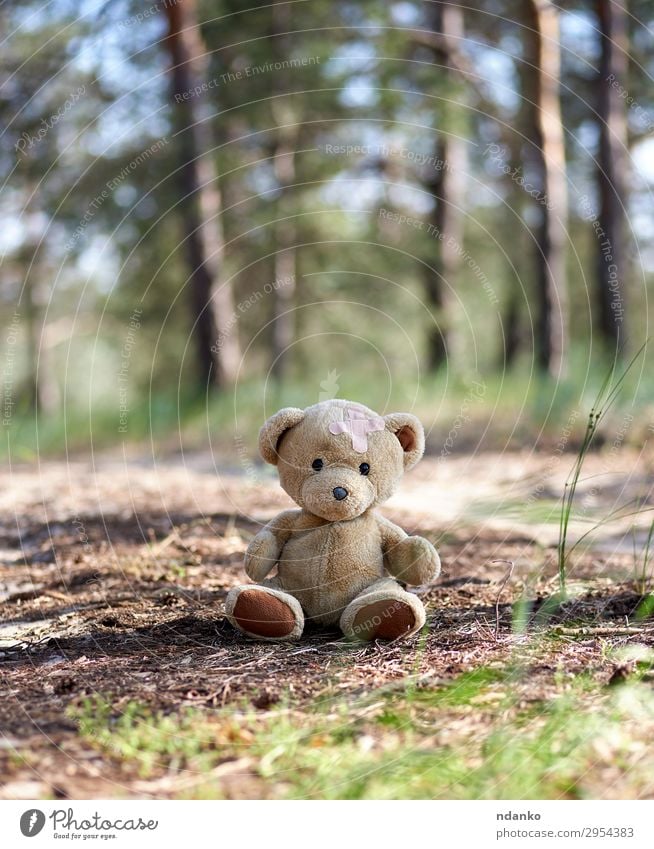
column 325, row 825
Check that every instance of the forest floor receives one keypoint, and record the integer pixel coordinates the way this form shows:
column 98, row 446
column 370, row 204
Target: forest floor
column 120, row 676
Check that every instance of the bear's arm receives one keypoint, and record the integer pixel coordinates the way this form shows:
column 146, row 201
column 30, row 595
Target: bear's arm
column 413, row 560
column 263, row 552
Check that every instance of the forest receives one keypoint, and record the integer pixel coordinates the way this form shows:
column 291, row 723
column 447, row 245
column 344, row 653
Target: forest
column 204, row 192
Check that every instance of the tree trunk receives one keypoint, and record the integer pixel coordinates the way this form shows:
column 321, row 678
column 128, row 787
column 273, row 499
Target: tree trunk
column 33, row 350
column 611, row 172
column 42, row 388
column 542, row 74
column 447, row 186
column 512, row 330
column 212, row 304
column 283, row 324
column 514, row 235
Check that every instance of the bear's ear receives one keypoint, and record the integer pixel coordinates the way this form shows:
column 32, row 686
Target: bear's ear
column 410, row 435
column 273, row 430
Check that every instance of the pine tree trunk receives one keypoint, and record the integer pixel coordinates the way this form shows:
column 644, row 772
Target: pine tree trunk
column 611, row 172
column 33, row 349
column 511, row 322
column 542, row 74
column 447, row 187
column 514, row 337
column 212, row 304
column 44, row 397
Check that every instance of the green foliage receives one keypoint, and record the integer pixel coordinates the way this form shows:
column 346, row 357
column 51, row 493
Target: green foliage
column 368, row 102
column 606, row 398
column 448, row 742
column 642, row 569
column 151, row 741
column 168, row 415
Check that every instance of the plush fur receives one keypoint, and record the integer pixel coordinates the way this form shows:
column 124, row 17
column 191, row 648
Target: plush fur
column 337, row 560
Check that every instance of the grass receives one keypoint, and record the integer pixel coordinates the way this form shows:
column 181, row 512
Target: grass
column 641, row 571
column 542, row 510
column 605, row 399
column 514, row 408
column 481, row 737
column 147, row 740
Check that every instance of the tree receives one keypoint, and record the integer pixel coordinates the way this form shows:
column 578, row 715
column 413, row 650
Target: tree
column 611, row 169
column 547, row 154
column 446, row 184
column 285, row 143
column 212, row 302
column 41, row 387
column 513, row 236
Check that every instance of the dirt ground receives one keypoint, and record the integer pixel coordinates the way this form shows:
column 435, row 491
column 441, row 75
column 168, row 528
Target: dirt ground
column 113, row 574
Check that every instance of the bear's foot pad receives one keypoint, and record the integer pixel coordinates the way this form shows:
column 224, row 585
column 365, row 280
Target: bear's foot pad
column 387, row 619
column 263, row 614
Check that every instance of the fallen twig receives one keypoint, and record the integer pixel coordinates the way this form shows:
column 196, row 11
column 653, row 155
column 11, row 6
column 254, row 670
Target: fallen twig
column 601, row 631
column 171, row 784
column 173, row 536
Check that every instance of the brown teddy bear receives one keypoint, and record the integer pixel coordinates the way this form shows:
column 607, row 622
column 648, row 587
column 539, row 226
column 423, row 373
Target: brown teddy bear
column 337, row 560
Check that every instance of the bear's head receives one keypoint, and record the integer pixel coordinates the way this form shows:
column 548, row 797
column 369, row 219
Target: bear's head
column 336, row 459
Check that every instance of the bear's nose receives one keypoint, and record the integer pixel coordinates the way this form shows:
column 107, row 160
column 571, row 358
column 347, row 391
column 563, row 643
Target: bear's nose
column 339, row 493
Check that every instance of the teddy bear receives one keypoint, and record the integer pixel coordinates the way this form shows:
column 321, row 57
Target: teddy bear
column 338, row 561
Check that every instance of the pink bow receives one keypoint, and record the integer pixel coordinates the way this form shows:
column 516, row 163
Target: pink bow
column 358, row 426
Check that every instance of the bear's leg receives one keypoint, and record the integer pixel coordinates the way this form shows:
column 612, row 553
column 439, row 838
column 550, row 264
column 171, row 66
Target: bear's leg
column 383, row 611
column 265, row 612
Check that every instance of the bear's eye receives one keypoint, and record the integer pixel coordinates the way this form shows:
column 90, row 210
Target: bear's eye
column 364, row 468
column 317, row 465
